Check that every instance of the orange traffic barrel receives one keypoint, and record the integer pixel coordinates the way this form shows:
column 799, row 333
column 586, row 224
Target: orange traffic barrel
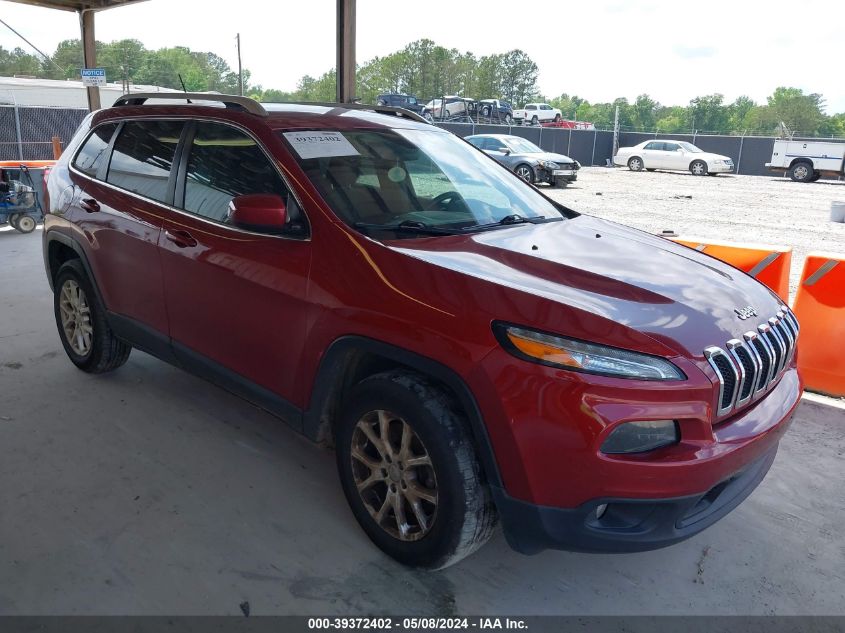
column 768, row 264
column 820, row 309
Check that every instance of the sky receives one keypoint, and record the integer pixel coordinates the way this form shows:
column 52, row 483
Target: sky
column 671, row 50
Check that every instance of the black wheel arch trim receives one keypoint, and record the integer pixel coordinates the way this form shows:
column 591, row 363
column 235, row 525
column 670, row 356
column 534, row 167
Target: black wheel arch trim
column 65, row 240
column 329, row 379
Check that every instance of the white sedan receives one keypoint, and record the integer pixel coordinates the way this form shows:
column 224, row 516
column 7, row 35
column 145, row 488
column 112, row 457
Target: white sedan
column 672, row 155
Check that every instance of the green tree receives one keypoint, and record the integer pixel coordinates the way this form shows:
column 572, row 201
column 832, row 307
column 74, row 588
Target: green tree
column 708, row 114
column 802, row 113
column 643, row 113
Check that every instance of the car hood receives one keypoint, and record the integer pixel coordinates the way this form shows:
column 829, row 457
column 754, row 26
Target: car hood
column 558, row 158
column 708, row 156
column 679, row 297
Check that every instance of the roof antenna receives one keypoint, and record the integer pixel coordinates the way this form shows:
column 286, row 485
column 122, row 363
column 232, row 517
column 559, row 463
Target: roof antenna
column 182, row 81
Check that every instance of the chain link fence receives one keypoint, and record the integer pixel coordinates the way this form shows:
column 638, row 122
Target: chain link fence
column 26, row 132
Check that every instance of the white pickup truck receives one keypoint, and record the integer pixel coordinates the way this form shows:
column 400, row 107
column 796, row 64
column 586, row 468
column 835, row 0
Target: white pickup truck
column 535, row 113
column 807, row 161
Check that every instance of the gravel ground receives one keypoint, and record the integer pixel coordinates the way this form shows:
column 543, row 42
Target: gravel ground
column 727, row 208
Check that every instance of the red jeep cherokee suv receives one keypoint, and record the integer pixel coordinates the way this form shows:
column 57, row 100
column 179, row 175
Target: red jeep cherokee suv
column 476, row 352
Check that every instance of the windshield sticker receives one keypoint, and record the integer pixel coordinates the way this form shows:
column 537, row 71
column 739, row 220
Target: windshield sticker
column 320, row 144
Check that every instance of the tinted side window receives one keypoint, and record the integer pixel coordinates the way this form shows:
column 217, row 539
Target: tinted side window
column 480, row 143
column 225, row 162
column 142, row 157
column 495, row 143
column 671, row 147
column 93, row 151
column 530, row 107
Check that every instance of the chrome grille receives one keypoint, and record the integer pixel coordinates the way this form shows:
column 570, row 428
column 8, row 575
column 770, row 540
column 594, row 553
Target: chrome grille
column 751, row 365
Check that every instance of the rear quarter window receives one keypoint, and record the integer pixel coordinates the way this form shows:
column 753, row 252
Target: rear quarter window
column 93, row 152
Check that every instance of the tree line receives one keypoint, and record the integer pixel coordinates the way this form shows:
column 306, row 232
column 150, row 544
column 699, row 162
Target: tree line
column 427, row 70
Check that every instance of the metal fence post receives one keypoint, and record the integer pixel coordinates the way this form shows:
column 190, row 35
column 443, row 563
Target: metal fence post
column 739, row 159
column 569, row 142
column 18, row 132
column 595, row 137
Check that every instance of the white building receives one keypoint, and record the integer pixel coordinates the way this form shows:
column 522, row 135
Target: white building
column 60, row 93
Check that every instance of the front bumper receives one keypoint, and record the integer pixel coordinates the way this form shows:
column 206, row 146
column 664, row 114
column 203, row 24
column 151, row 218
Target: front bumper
column 626, row 525
column 720, row 168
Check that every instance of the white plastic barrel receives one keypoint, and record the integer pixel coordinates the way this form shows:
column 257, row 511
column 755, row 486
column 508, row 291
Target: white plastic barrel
column 837, row 211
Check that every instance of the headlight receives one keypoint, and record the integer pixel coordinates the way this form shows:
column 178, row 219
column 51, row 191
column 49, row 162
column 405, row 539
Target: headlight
column 639, row 437
column 577, row 165
column 557, row 351
column 548, row 164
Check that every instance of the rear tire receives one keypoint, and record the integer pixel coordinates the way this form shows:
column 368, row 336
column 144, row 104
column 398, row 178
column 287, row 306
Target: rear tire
column 635, row 163
column 698, row 168
column 557, row 118
column 801, row 172
column 25, row 224
column 535, row 120
column 816, row 176
column 408, row 468
column 83, row 329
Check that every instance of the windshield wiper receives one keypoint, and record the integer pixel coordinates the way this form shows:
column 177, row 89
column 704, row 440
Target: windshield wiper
column 409, row 226
column 513, row 219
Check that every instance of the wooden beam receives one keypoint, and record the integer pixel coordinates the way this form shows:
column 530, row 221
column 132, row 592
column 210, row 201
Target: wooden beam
column 345, row 51
column 89, row 54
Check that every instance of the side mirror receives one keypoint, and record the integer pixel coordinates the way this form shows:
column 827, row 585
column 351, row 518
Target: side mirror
column 260, row 212
column 505, row 151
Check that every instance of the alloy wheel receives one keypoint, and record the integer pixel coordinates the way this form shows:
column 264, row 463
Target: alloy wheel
column 801, row 171
column 394, row 475
column 76, row 318
column 524, row 173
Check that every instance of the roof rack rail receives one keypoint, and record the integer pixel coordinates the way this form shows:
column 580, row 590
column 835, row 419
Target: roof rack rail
column 363, row 106
column 231, row 101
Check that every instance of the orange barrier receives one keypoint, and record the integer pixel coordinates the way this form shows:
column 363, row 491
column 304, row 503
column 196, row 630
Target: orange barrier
column 820, row 308
column 767, row 264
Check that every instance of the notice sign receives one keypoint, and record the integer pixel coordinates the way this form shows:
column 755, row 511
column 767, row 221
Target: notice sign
column 93, row 76
column 320, row 144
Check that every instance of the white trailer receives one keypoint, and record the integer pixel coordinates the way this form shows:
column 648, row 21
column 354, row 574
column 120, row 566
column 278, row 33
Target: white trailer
column 807, row 161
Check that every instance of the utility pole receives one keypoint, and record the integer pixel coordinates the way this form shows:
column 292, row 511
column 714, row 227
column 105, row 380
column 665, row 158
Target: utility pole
column 616, row 132
column 240, row 69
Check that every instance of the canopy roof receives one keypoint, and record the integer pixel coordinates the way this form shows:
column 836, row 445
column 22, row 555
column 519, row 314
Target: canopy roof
column 78, row 5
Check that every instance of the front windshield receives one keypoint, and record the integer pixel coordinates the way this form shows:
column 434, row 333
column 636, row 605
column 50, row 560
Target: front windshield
column 383, row 178
column 689, row 147
column 521, row 146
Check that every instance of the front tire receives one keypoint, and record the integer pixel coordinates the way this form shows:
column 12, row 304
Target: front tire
column 635, row 163
column 409, row 471
column 801, row 172
column 525, row 172
column 557, row 118
column 535, row 120
column 83, row 329
column 508, row 119
column 698, row 168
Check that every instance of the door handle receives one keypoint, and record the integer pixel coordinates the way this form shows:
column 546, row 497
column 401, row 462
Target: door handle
column 89, row 205
column 182, row 239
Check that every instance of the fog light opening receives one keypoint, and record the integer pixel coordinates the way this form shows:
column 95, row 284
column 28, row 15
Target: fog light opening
column 641, row 436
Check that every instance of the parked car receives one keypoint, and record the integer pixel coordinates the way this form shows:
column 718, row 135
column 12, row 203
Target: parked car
column 807, row 161
column 408, row 102
column 474, row 351
column 451, row 108
column 536, row 113
column 496, row 110
column 526, row 160
column 673, row 156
